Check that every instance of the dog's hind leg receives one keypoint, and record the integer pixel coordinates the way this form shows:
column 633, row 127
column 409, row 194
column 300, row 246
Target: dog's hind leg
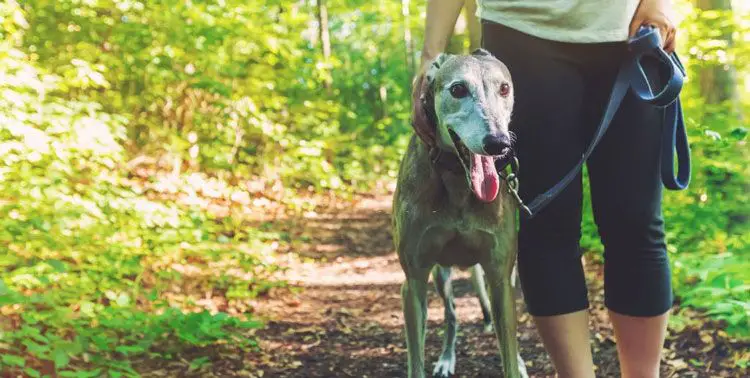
column 477, row 279
column 446, row 365
column 414, row 296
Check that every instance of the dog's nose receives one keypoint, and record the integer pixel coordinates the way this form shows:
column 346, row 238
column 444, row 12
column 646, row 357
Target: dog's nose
column 496, row 144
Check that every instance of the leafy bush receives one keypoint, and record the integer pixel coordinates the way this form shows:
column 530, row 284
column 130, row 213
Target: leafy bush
column 101, row 269
column 239, row 87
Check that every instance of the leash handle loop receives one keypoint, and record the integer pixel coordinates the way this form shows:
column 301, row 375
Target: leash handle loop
column 631, row 76
column 675, row 142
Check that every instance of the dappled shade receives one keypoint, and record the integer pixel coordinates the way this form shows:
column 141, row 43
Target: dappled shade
column 184, row 185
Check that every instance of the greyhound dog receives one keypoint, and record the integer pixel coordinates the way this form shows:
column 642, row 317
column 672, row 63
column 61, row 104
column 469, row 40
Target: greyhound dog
column 451, row 208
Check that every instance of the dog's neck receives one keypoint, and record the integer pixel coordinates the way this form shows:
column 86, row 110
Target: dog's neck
column 445, row 161
column 451, row 175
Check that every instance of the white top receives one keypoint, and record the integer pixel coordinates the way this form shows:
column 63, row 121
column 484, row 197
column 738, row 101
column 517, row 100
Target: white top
column 578, row 21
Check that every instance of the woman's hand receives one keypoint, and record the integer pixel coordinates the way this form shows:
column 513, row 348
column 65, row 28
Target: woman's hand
column 439, row 23
column 657, row 13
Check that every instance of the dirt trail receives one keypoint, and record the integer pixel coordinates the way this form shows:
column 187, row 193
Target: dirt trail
column 346, row 320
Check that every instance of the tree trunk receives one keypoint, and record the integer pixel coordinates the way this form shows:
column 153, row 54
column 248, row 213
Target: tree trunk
column 718, row 81
column 408, row 43
column 325, row 38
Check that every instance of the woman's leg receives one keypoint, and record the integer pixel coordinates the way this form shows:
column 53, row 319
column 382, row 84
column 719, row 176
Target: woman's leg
column 547, row 118
column 639, row 343
column 566, row 339
column 626, row 194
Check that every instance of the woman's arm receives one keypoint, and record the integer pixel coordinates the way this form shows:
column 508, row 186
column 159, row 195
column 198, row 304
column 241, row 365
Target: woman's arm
column 440, row 21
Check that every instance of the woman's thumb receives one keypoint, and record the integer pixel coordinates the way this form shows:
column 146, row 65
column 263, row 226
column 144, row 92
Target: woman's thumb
column 635, row 24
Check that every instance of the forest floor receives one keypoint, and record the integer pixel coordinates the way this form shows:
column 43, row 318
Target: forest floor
column 341, row 315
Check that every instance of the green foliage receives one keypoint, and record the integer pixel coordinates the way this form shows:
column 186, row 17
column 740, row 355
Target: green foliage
column 121, row 120
column 708, row 224
column 92, row 258
column 232, row 86
column 718, row 283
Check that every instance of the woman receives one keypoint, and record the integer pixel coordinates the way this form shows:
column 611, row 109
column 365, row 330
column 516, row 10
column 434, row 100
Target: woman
column 563, row 56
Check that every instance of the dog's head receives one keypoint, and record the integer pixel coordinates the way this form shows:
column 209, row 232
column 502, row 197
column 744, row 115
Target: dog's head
column 463, row 105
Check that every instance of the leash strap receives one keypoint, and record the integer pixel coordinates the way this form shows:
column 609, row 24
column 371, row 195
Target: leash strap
column 631, row 76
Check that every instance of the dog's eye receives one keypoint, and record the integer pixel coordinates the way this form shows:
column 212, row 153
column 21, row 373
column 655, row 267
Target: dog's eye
column 504, row 89
column 459, row 90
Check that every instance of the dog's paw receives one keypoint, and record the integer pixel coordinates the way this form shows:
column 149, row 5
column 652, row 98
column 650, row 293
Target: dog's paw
column 487, row 327
column 522, row 368
column 445, row 367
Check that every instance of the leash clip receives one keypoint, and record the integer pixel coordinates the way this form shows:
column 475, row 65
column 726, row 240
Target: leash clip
column 512, row 180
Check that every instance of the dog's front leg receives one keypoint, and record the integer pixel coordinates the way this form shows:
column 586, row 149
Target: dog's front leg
column 446, row 365
column 504, row 319
column 414, row 296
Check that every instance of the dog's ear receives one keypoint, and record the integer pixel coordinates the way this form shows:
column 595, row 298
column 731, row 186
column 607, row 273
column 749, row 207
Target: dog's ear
column 435, row 65
column 424, row 119
column 481, row 52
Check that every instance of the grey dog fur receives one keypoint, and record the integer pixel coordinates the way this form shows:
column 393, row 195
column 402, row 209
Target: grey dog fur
column 438, row 222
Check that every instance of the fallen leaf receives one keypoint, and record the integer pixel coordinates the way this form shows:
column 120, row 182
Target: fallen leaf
column 678, row 364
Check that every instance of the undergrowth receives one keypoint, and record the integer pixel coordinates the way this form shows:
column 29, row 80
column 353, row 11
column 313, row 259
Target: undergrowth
column 107, row 262
column 103, row 268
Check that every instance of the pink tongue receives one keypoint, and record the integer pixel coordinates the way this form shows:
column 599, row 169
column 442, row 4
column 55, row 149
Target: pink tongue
column 484, row 180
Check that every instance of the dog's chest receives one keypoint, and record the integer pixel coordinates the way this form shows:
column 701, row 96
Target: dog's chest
column 463, row 236
column 464, row 248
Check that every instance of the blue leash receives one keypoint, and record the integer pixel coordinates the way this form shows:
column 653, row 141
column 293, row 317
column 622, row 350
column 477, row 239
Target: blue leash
column 646, row 43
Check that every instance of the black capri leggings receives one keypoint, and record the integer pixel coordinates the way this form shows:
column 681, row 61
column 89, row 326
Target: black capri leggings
column 561, row 90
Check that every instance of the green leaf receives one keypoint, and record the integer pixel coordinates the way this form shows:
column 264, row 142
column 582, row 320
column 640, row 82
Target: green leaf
column 39, row 350
column 199, row 363
column 12, row 298
column 58, row 266
column 739, row 133
column 81, row 373
column 61, row 358
column 33, row 373
column 129, row 349
column 9, row 296
column 737, row 319
column 14, row 360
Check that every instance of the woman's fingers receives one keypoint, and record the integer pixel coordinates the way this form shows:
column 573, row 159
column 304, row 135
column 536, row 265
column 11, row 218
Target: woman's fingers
column 667, row 31
column 655, row 13
column 670, row 41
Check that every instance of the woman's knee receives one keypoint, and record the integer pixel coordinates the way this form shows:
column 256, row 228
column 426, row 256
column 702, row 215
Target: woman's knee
column 637, row 277
column 552, row 277
column 635, row 232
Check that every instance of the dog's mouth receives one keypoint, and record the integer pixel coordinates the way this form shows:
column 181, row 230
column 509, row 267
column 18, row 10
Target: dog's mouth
column 480, row 169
